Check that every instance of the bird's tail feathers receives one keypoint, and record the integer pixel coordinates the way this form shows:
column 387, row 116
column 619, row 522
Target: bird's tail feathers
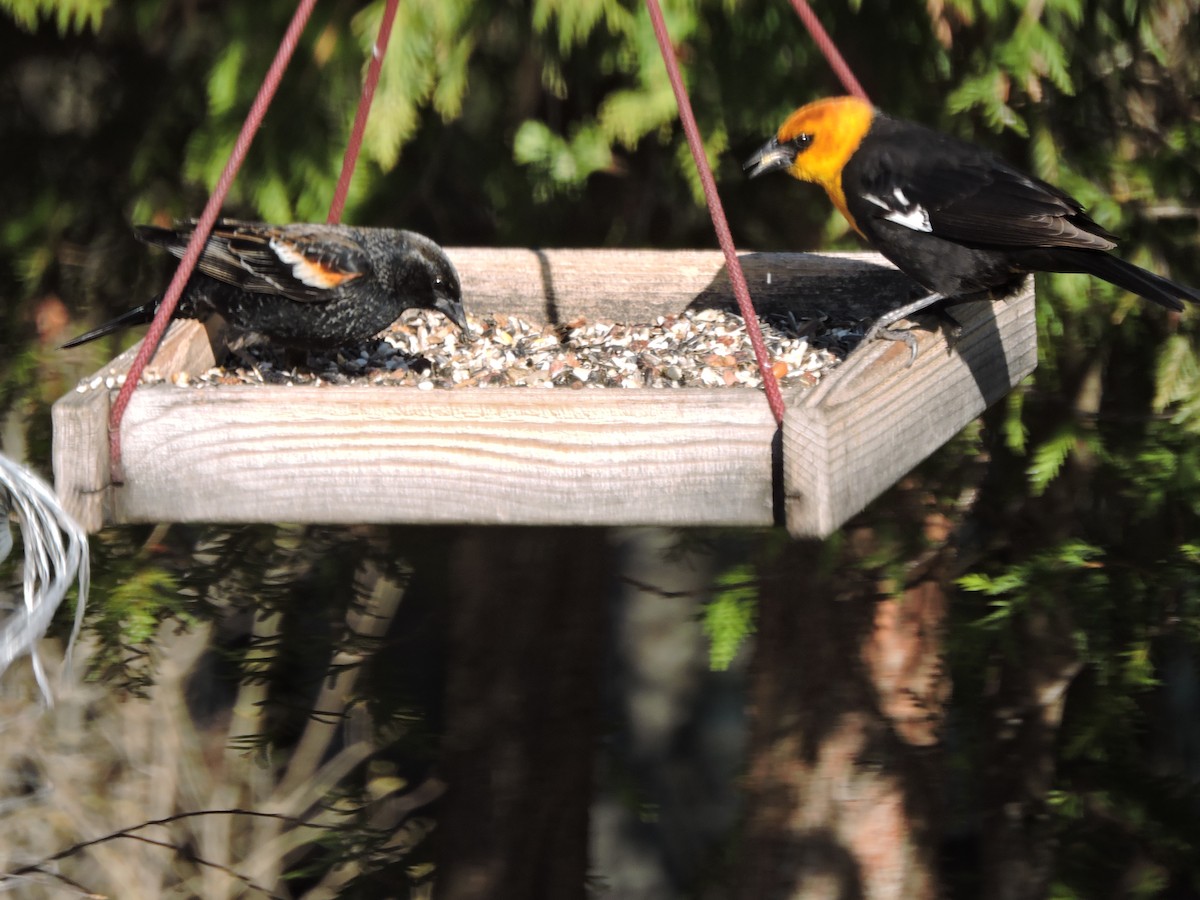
column 139, row 315
column 1162, row 291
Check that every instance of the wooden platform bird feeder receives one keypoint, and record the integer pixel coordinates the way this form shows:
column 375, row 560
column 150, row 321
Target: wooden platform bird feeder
column 520, row 455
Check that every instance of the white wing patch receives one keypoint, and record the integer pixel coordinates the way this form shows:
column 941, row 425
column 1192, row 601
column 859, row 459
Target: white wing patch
column 902, row 211
column 306, row 270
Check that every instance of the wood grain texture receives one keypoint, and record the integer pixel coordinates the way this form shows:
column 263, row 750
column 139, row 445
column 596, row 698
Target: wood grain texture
column 637, row 285
column 485, row 456
column 552, row 456
column 80, row 421
column 875, row 418
column 80, row 456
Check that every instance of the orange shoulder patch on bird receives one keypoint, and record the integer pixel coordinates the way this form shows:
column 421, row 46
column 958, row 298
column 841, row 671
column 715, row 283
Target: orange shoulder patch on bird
column 827, row 133
column 312, row 272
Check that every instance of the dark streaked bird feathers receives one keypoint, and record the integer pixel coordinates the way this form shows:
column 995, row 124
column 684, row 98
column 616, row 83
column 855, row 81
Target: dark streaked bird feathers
column 304, row 286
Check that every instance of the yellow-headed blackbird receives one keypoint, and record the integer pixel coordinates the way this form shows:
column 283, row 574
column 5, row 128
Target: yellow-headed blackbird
column 952, row 216
column 309, row 287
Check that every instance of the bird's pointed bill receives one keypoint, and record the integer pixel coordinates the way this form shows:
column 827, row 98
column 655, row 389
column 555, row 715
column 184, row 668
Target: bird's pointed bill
column 770, row 156
column 453, row 310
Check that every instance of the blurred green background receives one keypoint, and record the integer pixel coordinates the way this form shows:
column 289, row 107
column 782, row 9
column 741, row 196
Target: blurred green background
column 551, row 123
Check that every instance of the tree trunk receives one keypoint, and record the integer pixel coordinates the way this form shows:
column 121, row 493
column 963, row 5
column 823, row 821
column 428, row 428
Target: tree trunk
column 527, row 617
column 846, row 695
column 1025, row 714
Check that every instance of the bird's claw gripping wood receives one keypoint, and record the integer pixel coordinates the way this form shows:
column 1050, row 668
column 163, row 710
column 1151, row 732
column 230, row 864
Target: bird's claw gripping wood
column 882, row 329
column 882, row 332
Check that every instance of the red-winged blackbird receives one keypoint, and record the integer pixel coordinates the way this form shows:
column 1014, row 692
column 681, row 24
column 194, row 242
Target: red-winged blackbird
column 952, row 216
column 308, row 287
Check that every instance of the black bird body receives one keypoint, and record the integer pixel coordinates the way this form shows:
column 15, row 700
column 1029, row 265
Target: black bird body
column 308, row 287
column 954, row 217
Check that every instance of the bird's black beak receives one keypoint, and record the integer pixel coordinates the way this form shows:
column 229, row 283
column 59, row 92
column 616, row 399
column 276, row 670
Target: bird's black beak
column 452, row 309
column 770, row 156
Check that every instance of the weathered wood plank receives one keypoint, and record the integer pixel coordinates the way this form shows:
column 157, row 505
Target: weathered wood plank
column 80, row 420
column 485, row 456
column 80, row 456
column 637, row 285
column 874, row 419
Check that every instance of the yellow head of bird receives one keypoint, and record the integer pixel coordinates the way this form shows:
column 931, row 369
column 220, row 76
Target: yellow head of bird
column 815, row 142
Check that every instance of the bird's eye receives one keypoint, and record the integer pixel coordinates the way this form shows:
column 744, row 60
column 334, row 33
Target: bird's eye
column 801, row 141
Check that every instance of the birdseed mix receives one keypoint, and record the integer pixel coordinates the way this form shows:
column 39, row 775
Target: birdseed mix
column 704, row 348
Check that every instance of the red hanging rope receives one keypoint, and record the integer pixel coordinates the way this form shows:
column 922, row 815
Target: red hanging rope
column 736, row 277
column 826, row 45
column 170, row 300
column 364, row 108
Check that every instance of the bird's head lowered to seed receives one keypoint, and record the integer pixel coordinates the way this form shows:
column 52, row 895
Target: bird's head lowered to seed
column 304, row 286
column 445, row 290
